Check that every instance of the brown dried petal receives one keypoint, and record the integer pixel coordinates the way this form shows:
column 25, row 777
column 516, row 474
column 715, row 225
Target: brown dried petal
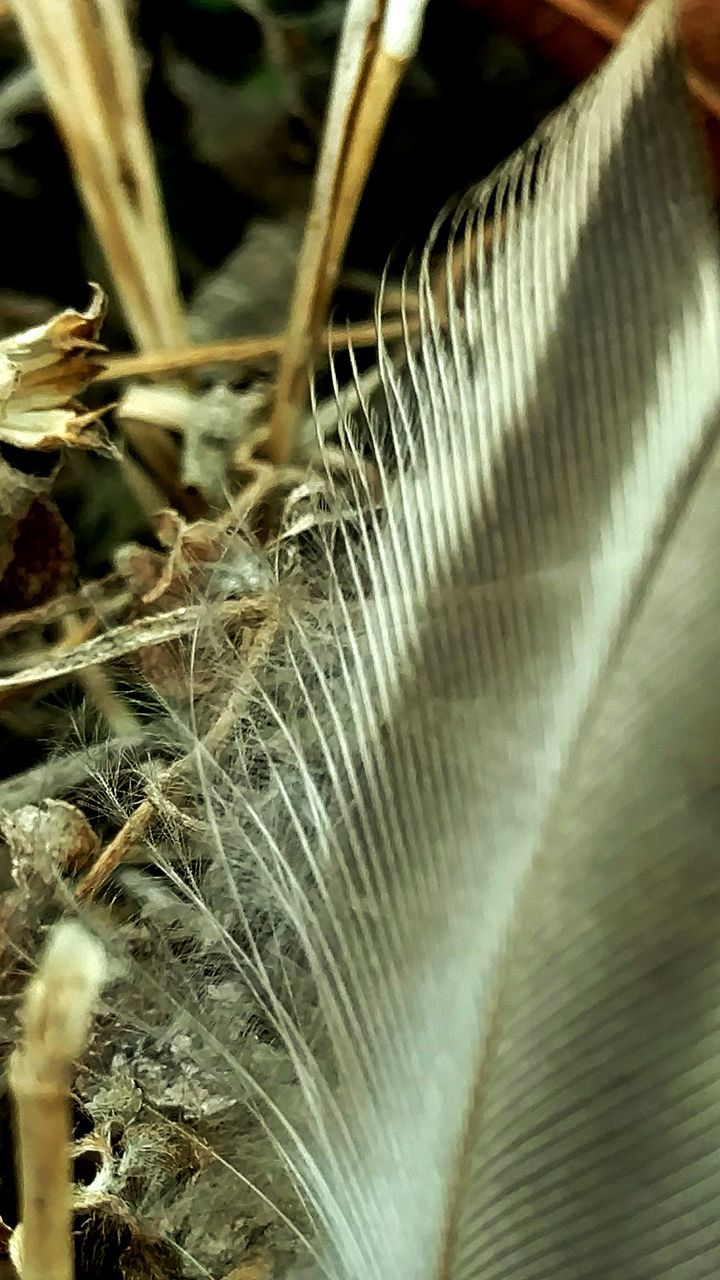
column 49, row 429
column 42, row 370
column 45, row 345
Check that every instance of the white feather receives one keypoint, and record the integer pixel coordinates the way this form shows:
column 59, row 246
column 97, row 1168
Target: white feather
column 466, row 774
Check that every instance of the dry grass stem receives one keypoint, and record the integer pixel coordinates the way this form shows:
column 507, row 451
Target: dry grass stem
column 258, row 1267
column 266, row 481
column 610, row 27
column 378, row 41
column 158, row 629
column 85, row 55
column 54, row 610
column 91, row 79
column 101, row 692
column 241, row 350
column 149, row 496
column 56, row 1017
column 395, row 297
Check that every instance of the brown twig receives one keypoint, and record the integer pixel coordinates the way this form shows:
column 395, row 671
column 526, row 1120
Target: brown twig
column 55, row 610
column 377, row 43
column 239, row 351
column 609, row 26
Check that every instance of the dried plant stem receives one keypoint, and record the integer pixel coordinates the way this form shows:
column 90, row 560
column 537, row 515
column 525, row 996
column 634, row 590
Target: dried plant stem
column 148, row 495
column 132, row 832
column 325, row 240
column 395, row 297
column 378, row 41
column 43, row 1121
column 159, row 455
column 265, row 482
column 99, row 687
column 56, row 1015
column 84, row 53
column 240, row 350
column 90, row 596
column 595, row 17
column 119, row 847
column 157, row 629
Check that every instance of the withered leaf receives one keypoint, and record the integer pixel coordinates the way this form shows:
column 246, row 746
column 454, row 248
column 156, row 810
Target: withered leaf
column 39, row 558
column 42, row 370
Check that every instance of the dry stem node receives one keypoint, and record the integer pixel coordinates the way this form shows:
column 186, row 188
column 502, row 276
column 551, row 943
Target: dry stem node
column 56, row 1018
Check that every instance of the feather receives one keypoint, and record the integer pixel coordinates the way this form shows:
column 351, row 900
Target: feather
column 478, row 794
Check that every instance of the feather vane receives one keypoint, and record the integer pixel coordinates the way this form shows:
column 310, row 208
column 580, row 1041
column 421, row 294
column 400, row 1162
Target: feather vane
column 473, row 769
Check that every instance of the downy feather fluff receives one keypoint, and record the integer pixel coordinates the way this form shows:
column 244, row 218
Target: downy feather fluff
column 479, row 793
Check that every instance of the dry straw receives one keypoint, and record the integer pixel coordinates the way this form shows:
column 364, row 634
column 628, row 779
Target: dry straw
column 84, row 52
column 58, row 1006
